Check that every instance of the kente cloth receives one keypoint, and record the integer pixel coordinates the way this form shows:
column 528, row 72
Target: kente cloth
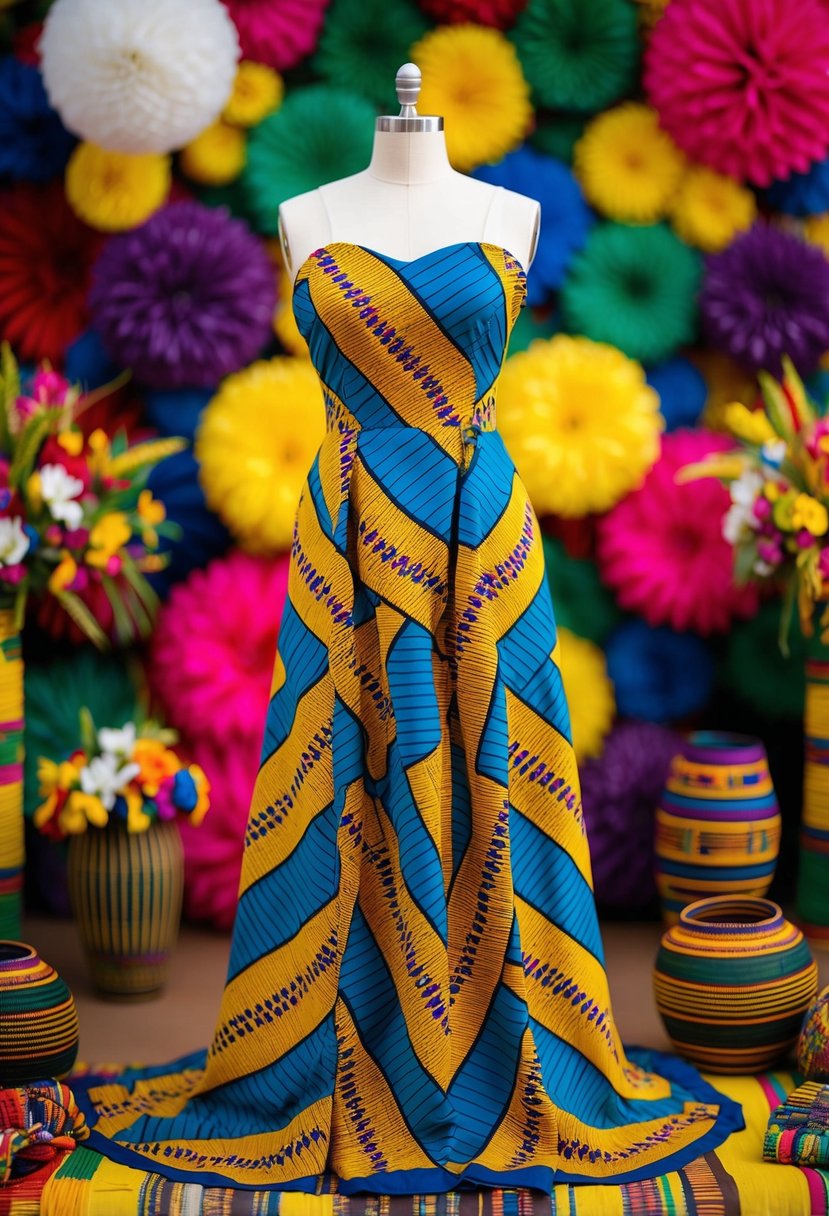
column 40, row 1124
column 416, row 997
column 798, row 1131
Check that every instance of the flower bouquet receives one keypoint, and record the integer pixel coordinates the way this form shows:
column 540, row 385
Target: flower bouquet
column 126, row 876
column 778, row 523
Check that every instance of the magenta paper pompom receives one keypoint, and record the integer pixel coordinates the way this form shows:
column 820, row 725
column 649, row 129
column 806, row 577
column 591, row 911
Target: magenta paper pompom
column 213, row 851
column 743, row 85
column 277, row 32
column 662, row 550
column 214, row 647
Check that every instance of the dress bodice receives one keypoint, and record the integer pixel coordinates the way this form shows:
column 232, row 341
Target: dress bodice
column 415, row 343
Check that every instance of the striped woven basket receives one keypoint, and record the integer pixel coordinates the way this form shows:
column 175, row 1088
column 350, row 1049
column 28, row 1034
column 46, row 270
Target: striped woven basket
column 38, row 1019
column 732, row 982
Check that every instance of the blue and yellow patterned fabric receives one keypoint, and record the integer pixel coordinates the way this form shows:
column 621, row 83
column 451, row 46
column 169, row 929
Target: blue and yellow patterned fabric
column 416, row 997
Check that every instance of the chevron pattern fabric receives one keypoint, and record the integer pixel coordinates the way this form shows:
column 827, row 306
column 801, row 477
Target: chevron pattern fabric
column 416, row 996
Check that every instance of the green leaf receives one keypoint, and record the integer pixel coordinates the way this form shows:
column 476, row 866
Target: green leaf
column 28, row 444
column 745, row 555
column 89, row 735
column 9, row 392
column 124, row 627
column 786, row 614
column 77, row 610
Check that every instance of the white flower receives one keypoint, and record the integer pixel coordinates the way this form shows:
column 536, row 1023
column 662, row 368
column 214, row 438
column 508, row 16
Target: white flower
column 60, row 491
column 118, row 742
column 14, row 543
column 739, row 519
column 103, row 777
column 138, row 75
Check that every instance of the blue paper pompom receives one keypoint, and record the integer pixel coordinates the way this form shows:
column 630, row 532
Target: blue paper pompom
column 88, row 364
column 802, row 193
column 566, row 218
column 175, row 482
column 659, row 675
column 34, row 144
column 682, row 391
column 176, row 411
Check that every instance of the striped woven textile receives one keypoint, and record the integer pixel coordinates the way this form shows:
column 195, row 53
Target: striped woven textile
column 39, row 1125
column 798, row 1131
column 732, row 1181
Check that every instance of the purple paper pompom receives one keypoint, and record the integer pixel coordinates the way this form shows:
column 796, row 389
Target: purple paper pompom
column 620, row 793
column 765, row 296
column 186, row 298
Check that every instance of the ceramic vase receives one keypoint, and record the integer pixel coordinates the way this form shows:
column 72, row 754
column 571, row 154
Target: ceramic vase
column 125, row 889
column 718, row 822
column 11, row 777
column 813, row 870
column 38, row 1020
column 732, row 982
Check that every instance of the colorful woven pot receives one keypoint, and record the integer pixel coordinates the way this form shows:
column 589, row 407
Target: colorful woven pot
column 125, row 889
column 11, row 776
column 718, row 822
column 813, row 872
column 38, row 1019
column 732, row 982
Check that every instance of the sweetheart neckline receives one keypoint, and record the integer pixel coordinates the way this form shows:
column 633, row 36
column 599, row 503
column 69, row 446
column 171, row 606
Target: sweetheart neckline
column 385, row 257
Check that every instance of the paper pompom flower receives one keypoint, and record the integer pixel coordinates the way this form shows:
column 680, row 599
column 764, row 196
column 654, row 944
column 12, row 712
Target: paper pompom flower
column 142, row 75
column 589, row 693
column 212, row 654
column 628, row 167
column 578, row 54
column 816, row 231
column 579, row 421
column 742, row 87
column 662, row 548
column 299, row 148
column 765, row 296
column 216, row 156
column 277, row 32
column 363, row 43
column 557, row 134
column 709, row 209
column 174, row 482
column 758, row 673
column 185, row 299
column 257, row 91
column 472, row 76
column 565, row 217
column 620, row 793
column 635, row 288
column 802, row 193
column 46, row 257
column 112, row 191
column 255, row 443
column 34, row 144
column 659, row 675
column 500, row 13
column 582, row 604
column 682, row 391
column 176, row 411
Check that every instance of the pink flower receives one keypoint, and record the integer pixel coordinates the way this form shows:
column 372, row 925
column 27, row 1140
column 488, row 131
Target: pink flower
column 662, row 548
column 277, row 32
column 164, row 799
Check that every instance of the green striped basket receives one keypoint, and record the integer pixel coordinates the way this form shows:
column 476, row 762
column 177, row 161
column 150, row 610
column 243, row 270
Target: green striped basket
column 38, row 1020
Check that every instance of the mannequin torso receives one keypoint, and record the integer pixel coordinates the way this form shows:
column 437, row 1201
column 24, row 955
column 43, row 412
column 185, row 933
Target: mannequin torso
column 408, row 202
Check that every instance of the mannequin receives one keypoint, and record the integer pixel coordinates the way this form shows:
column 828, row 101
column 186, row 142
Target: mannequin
column 409, row 201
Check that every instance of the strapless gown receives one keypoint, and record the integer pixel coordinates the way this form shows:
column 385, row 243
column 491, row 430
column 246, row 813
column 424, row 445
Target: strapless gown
column 416, row 997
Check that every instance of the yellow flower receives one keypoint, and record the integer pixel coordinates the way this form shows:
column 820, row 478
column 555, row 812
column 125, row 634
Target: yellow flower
column 203, row 789
column 33, row 491
column 816, row 230
column 257, row 90
column 156, row 762
column 108, row 536
column 255, row 443
column 79, row 810
column 589, row 692
column 99, row 453
column 47, row 776
column 810, row 514
column 580, row 422
column 709, row 209
column 137, row 818
column 771, row 491
column 45, row 811
column 114, row 191
column 151, row 511
column 472, row 76
column 63, row 574
column 216, row 156
column 68, row 775
column 284, row 321
column 752, row 426
column 629, row 168
column 71, row 442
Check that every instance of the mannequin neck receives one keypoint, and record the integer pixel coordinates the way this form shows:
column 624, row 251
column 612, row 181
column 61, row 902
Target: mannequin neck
column 409, row 159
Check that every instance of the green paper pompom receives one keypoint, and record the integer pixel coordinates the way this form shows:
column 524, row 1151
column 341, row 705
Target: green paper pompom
column 581, row 602
column 557, row 135
column 364, row 42
column 529, row 325
column 757, row 671
column 55, row 693
column 231, row 196
column 578, row 54
column 319, row 134
column 634, row 287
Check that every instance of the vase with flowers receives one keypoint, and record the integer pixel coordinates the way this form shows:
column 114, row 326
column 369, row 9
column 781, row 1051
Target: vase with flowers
column 778, row 523
column 75, row 516
column 117, row 799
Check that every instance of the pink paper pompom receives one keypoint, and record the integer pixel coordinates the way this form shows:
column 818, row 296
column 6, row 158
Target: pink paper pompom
column 662, row 548
column 743, row 85
column 214, row 647
column 277, row 32
column 213, row 851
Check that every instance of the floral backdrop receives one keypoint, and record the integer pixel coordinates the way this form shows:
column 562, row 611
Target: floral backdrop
column 680, row 152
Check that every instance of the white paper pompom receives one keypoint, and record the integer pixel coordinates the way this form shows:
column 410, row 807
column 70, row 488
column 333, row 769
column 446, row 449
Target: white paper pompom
column 138, row 75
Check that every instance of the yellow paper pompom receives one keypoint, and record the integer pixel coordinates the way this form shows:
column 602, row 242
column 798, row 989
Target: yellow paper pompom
column 589, row 692
column 284, row 321
column 629, row 168
column 580, row 421
column 255, row 443
column 257, row 91
column 472, row 76
column 114, row 191
column 816, row 231
column 216, row 156
column 710, row 209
